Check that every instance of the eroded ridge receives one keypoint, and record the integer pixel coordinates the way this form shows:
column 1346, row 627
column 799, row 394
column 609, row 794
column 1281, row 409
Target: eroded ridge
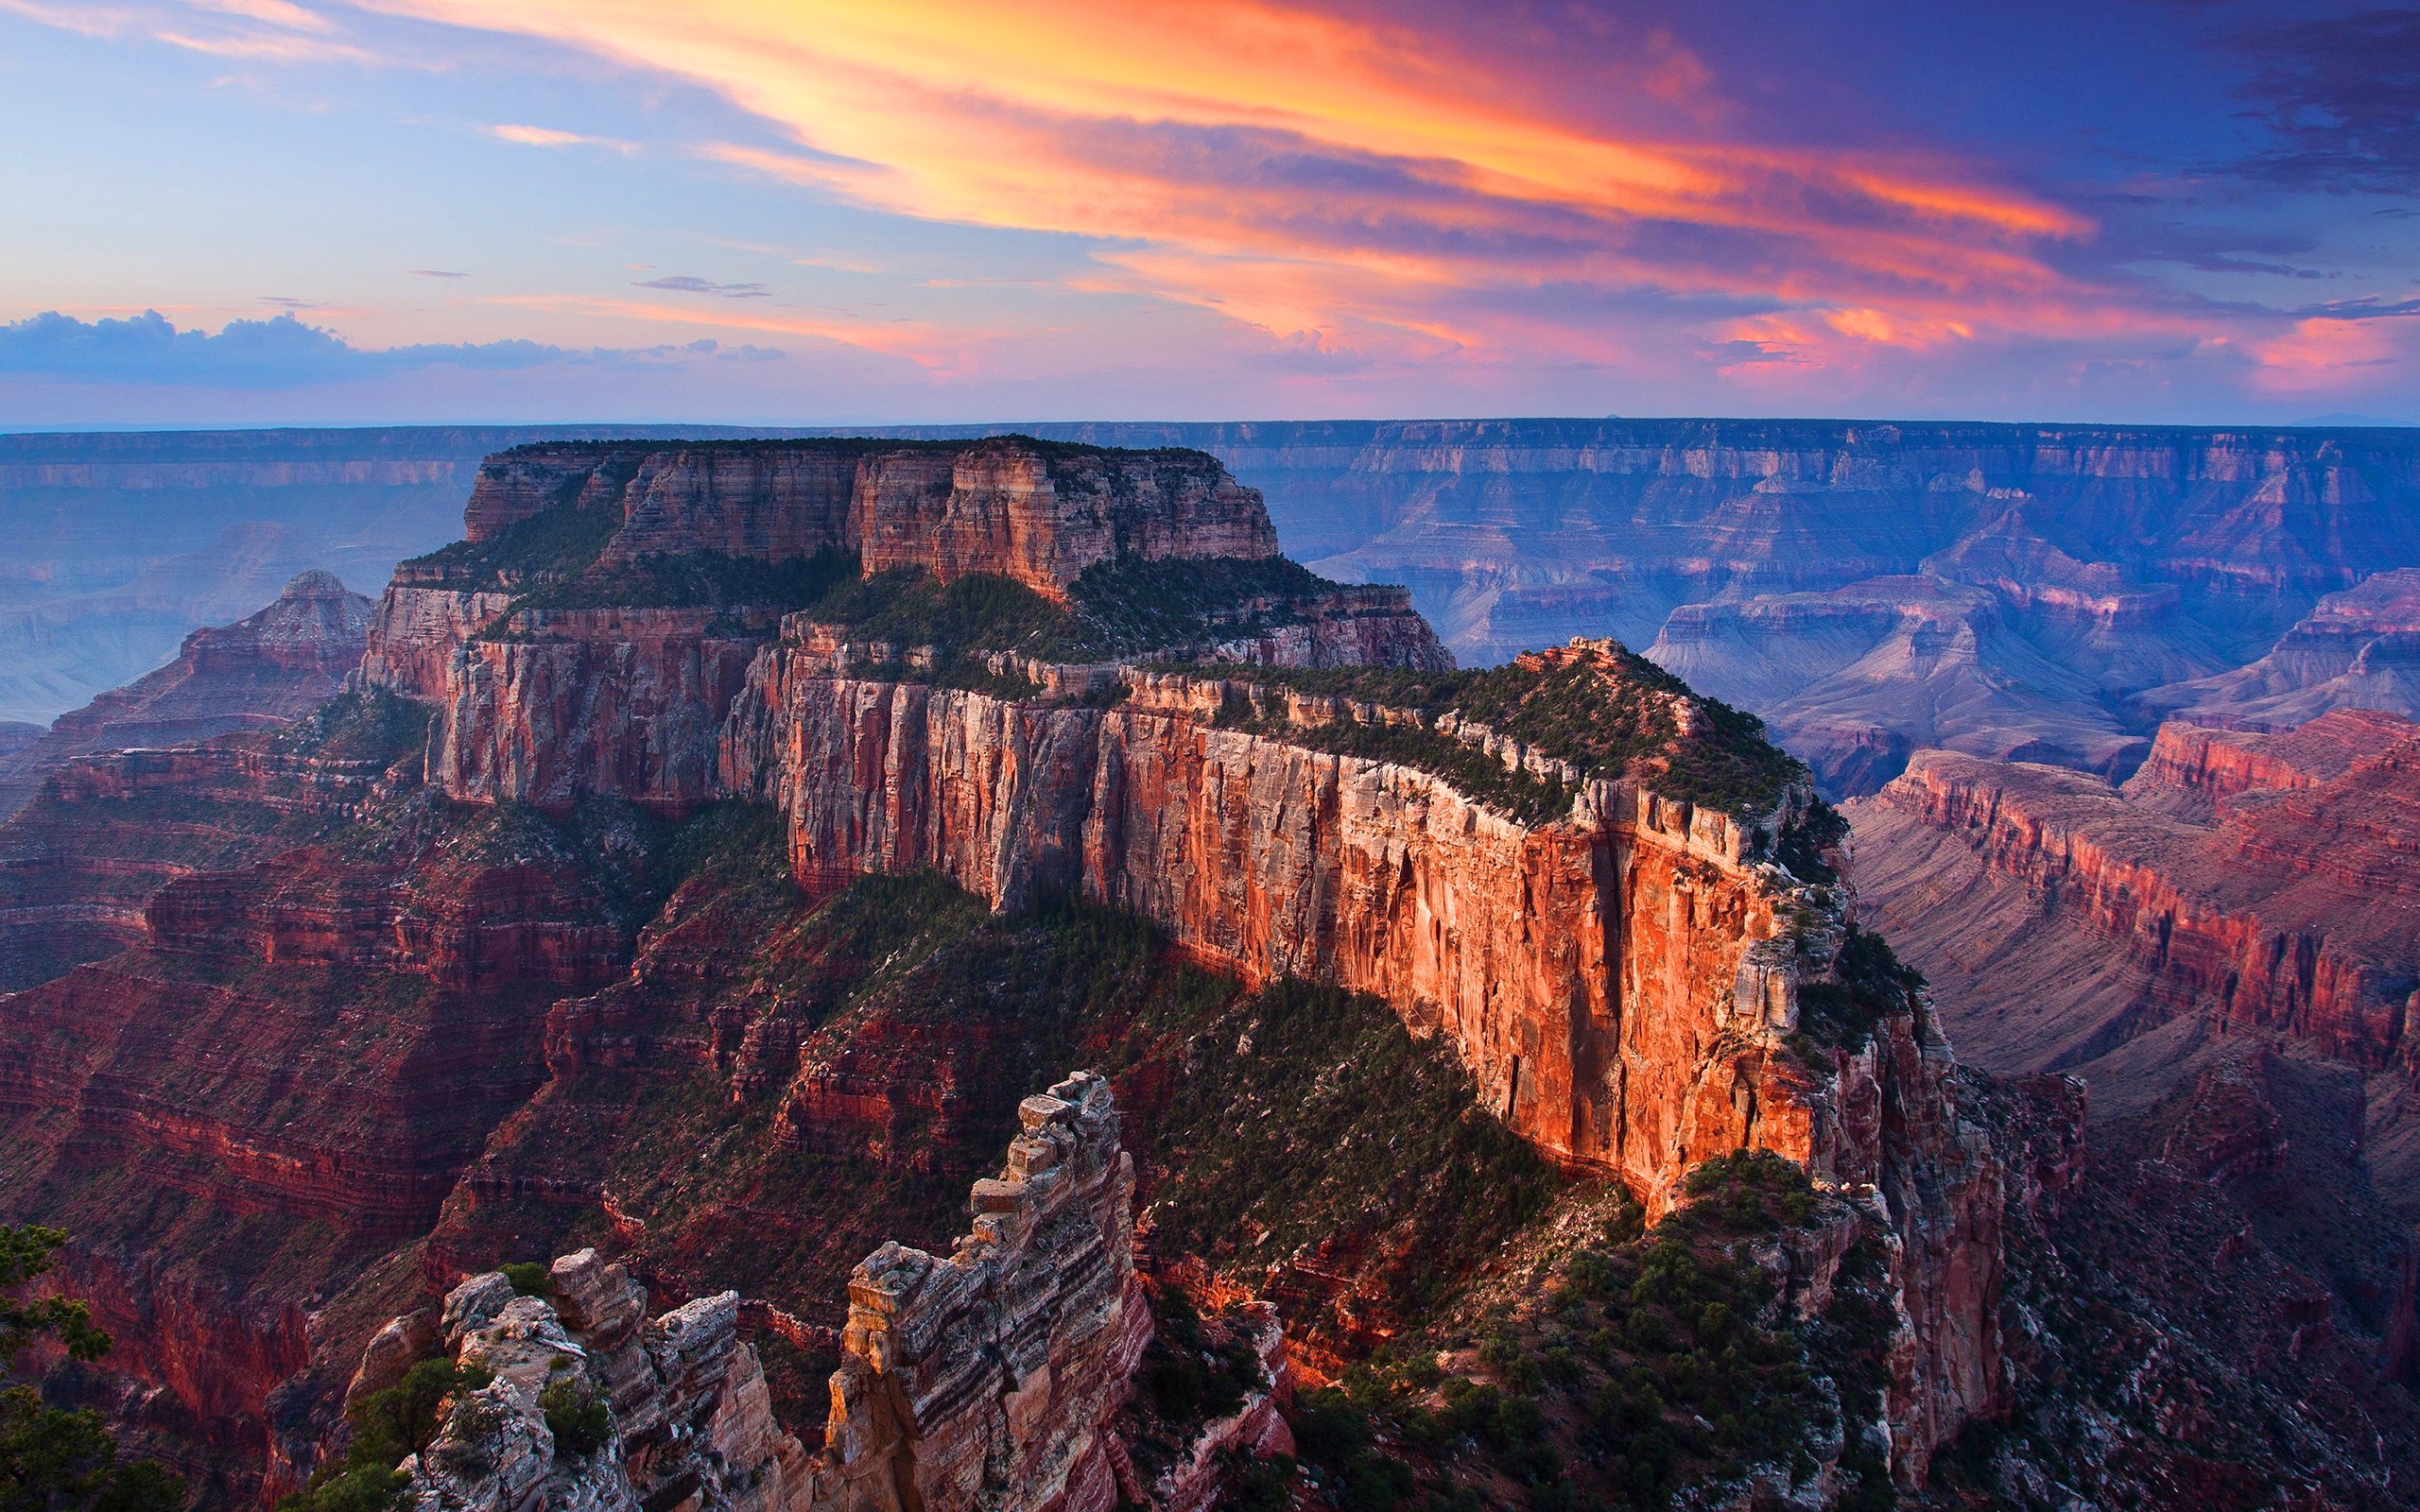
column 987, row 1377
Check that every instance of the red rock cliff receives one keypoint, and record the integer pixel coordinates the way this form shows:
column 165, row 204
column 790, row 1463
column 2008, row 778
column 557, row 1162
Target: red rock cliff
column 1035, row 511
column 1619, row 983
column 2266, row 882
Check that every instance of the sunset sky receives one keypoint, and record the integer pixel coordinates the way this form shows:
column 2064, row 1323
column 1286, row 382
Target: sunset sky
column 781, row 210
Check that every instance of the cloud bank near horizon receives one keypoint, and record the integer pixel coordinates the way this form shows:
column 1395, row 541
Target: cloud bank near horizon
column 280, row 352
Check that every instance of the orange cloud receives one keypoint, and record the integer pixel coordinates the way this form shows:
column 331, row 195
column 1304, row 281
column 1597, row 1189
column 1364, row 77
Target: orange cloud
column 539, row 136
column 1235, row 137
column 2323, row 353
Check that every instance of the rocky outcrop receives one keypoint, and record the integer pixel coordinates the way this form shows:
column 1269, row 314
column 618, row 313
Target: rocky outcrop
column 1619, row 983
column 415, row 631
column 985, row 1378
column 625, row 703
column 989, row 1377
column 1851, row 680
column 2358, row 649
column 121, row 542
column 1038, row 512
column 687, row 1418
column 258, row 672
column 2287, row 910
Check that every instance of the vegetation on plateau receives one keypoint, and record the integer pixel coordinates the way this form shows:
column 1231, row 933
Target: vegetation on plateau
column 1873, row 984
column 1621, row 1366
column 1610, row 714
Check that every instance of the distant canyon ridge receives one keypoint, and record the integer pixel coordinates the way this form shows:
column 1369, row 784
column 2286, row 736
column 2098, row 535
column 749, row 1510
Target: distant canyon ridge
column 2032, row 593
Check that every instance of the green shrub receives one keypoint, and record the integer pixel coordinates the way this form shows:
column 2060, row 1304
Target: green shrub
column 530, row 1278
column 576, row 1415
column 359, row 1488
column 1872, row 985
column 1610, row 717
column 400, row 1421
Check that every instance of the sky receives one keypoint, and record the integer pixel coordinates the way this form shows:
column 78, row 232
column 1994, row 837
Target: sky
column 307, row 211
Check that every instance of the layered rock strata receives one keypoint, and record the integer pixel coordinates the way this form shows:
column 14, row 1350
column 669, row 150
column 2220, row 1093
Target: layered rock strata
column 1620, row 983
column 2358, row 649
column 985, row 1378
column 2261, row 881
column 1040, row 513
column 259, row 672
column 1854, row 679
column 690, row 1420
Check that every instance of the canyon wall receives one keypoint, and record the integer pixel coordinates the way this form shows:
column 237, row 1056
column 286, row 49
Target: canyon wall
column 1038, row 513
column 2358, row 649
column 259, row 672
column 1525, row 532
column 2114, row 561
column 120, row 544
column 984, row 1378
column 2260, row 882
column 1621, row 982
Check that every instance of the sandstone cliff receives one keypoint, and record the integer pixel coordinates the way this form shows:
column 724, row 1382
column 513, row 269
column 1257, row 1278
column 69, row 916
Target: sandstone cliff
column 1039, row 513
column 119, row 543
column 1602, row 906
column 1619, row 978
column 260, row 671
column 2258, row 880
column 986, row 1377
column 2222, row 951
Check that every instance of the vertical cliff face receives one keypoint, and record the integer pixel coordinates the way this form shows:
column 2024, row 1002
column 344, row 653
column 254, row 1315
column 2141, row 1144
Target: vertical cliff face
column 1044, row 1290
column 1042, row 518
column 579, row 703
column 2261, row 882
column 1623, row 975
column 1038, row 512
column 985, row 1378
column 259, row 672
column 1620, row 983
column 1582, row 968
column 1621, row 979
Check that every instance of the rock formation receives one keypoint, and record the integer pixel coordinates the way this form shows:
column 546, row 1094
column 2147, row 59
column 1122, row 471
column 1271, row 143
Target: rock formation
column 480, row 967
column 986, row 1377
column 1040, row 514
column 2359, row 649
column 260, row 671
column 1853, row 680
column 688, row 1413
column 1620, row 982
column 2258, row 881
column 2129, row 559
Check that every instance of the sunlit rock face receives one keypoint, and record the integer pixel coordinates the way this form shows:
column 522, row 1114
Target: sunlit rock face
column 1621, row 976
column 1619, row 983
column 2261, row 881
